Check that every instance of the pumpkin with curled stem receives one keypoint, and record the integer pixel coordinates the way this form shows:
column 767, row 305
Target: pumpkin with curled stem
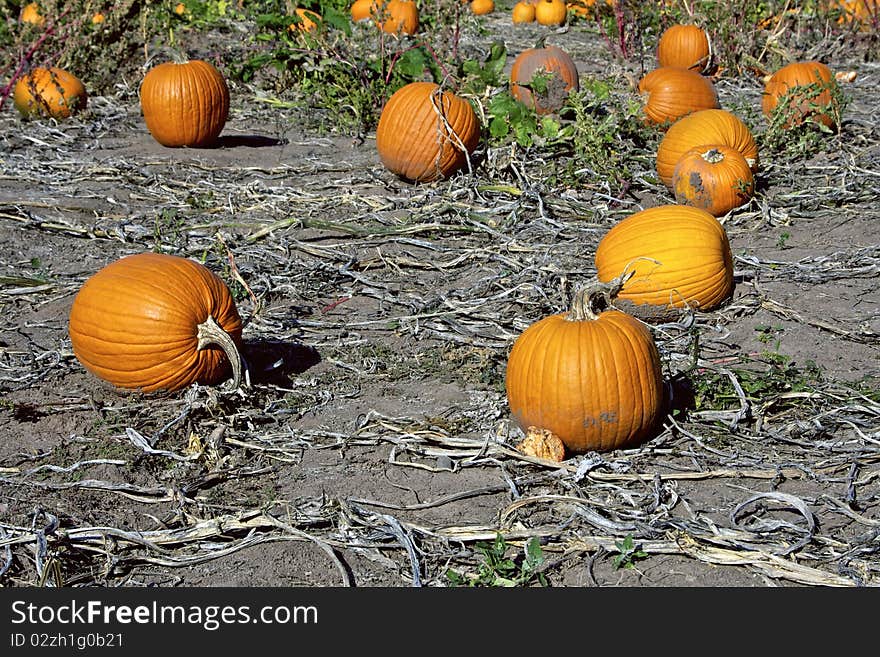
column 670, row 93
column 154, row 322
column 426, row 133
column 590, row 376
column 716, row 179
column 49, row 92
column 685, row 46
column 185, row 103
column 678, row 256
column 709, row 126
column 560, row 75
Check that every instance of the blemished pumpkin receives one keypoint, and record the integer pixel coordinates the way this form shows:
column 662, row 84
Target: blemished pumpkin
column 710, row 126
column 716, row 179
column 802, row 91
column 49, row 92
column 679, row 257
column 551, row 12
column 482, row 7
column 398, row 17
column 552, row 63
column 670, row 93
column 154, row 322
column 185, row 104
column 523, row 12
column 425, row 133
column 685, row 46
column 591, row 376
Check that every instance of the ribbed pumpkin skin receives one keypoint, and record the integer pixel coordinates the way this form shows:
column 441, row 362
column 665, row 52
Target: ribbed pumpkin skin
column 49, row 92
column 414, row 141
column 134, row 323
column 672, row 93
column 596, row 384
column 550, row 60
column 185, row 104
column 711, row 126
column 684, row 46
column 716, row 179
column 695, row 264
column 804, row 104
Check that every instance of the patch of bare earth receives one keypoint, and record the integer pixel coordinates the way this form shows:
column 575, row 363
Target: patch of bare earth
column 373, row 445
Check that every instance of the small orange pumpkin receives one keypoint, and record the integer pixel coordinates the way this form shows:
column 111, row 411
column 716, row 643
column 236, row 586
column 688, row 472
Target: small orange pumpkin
column 680, row 255
column 482, row 7
column 803, row 91
column 685, row 46
column 425, row 134
column 551, row 12
column 591, row 376
column 710, row 126
column 307, row 21
column 716, row 179
column 31, row 15
column 670, row 93
column 185, row 104
column 51, row 92
column 551, row 61
column 156, row 322
column 363, row 9
column 399, row 17
column 523, row 12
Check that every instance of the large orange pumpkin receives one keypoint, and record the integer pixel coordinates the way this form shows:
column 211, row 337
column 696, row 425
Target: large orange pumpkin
column 684, row 46
column 552, row 62
column 802, row 91
column 185, row 104
column 50, row 92
column 591, row 377
column 680, row 255
column 671, row 93
column 425, row 133
column 156, row 322
column 710, row 126
column 716, row 179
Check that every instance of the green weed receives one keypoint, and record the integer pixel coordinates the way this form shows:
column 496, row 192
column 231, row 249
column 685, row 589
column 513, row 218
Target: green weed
column 500, row 569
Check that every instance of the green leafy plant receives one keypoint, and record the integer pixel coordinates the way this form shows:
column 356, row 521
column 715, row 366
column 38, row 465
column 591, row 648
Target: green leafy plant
column 629, row 553
column 500, row 569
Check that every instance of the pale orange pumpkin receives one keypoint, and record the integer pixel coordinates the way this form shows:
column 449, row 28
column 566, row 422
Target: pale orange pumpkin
column 550, row 61
column 680, row 256
column 802, row 91
column 670, row 93
column 685, row 46
column 425, row 133
column 716, row 179
column 590, row 377
column 710, row 126
column 153, row 322
column 185, row 104
column 49, row 92
column 551, row 12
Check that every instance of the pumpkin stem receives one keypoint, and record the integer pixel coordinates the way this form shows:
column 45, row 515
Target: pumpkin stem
column 713, row 156
column 211, row 333
column 593, row 299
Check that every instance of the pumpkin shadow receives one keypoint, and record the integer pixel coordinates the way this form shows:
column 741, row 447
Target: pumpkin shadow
column 275, row 362
column 247, row 141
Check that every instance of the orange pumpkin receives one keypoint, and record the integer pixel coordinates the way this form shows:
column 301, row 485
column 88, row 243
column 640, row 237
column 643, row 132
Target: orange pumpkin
column 31, row 15
column 716, row 179
column 684, row 46
column 710, row 126
column 482, row 7
column 50, row 92
column 551, row 12
column 670, row 93
column 680, row 256
column 363, row 9
column 156, row 322
column 523, row 12
column 399, row 17
column 590, row 377
column 306, row 21
column 552, row 62
column 425, row 134
column 802, row 91
column 185, row 104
